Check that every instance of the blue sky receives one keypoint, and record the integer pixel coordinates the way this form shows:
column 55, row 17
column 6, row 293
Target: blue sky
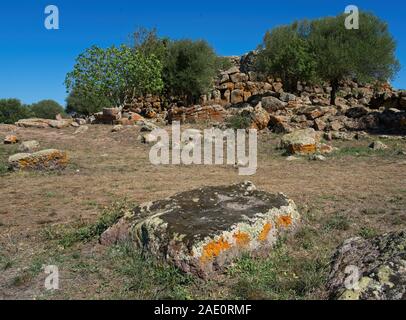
column 34, row 61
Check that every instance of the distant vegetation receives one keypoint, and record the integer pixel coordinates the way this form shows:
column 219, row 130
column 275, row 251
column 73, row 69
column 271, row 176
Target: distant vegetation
column 315, row 51
column 12, row 110
column 324, row 50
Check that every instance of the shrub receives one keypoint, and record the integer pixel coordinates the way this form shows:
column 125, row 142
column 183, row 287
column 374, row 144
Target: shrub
column 11, row 110
column 47, row 109
column 85, row 104
column 286, row 53
column 189, row 69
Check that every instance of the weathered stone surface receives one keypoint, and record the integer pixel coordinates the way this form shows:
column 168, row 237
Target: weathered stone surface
column 202, row 231
column 259, row 118
column 81, row 129
column 196, row 114
column 33, row 123
column 59, row 124
column 148, row 138
column 10, row 139
column 29, row 146
column 377, row 265
column 356, row 112
column 378, row 145
column 272, row 104
column 237, row 96
column 300, row 141
column 50, row 159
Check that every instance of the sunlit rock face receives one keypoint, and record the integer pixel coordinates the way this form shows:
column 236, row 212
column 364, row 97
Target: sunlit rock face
column 203, row 230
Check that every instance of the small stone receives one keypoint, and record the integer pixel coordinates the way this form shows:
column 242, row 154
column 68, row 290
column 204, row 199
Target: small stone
column 117, row 128
column 81, row 129
column 148, row 138
column 10, row 139
column 318, row 157
column 292, row 158
column 378, row 145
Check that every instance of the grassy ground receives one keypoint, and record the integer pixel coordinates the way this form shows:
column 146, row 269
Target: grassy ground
column 56, row 218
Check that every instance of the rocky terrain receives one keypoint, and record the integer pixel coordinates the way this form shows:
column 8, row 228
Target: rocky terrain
column 326, row 174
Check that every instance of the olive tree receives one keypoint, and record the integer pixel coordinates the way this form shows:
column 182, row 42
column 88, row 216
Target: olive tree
column 365, row 54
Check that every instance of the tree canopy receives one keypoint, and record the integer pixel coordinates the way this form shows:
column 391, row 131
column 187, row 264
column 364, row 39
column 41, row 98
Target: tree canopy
column 47, row 109
column 118, row 74
column 324, row 50
column 286, row 53
column 12, row 110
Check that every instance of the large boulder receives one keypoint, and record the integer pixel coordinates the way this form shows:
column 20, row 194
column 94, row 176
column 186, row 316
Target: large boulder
column 50, row 159
column 59, row 124
column 202, row 231
column 372, row 269
column 33, row 123
column 300, row 141
column 272, row 104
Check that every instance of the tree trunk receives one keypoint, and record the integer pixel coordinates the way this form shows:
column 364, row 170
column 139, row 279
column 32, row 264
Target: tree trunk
column 334, row 89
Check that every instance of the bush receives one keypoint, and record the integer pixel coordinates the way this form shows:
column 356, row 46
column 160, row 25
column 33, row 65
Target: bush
column 286, row 53
column 11, row 110
column 118, row 74
column 240, row 121
column 324, row 50
column 189, row 69
column 47, row 109
column 85, row 104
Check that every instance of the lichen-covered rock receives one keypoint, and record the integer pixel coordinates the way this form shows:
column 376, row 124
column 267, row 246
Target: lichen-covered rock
column 300, row 141
column 10, row 139
column 28, row 146
column 50, row 159
column 204, row 230
column 33, row 123
column 370, row 269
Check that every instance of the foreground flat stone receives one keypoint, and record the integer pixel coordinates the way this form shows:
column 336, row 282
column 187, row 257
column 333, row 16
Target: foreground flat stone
column 51, row 159
column 372, row 269
column 204, row 230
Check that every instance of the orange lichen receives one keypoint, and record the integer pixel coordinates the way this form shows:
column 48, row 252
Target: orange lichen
column 303, row 149
column 284, row 221
column 265, row 231
column 242, row 239
column 213, row 249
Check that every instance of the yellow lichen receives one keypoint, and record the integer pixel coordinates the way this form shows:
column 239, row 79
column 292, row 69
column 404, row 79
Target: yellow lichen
column 213, row 249
column 284, row 221
column 265, row 231
column 242, row 239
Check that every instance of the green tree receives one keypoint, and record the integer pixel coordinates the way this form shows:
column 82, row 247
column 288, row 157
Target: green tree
column 47, row 109
column 286, row 53
column 365, row 54
column 119, row 74
column 189, row 69
column 12, row 110
column 85, row 103
column 149, row 43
